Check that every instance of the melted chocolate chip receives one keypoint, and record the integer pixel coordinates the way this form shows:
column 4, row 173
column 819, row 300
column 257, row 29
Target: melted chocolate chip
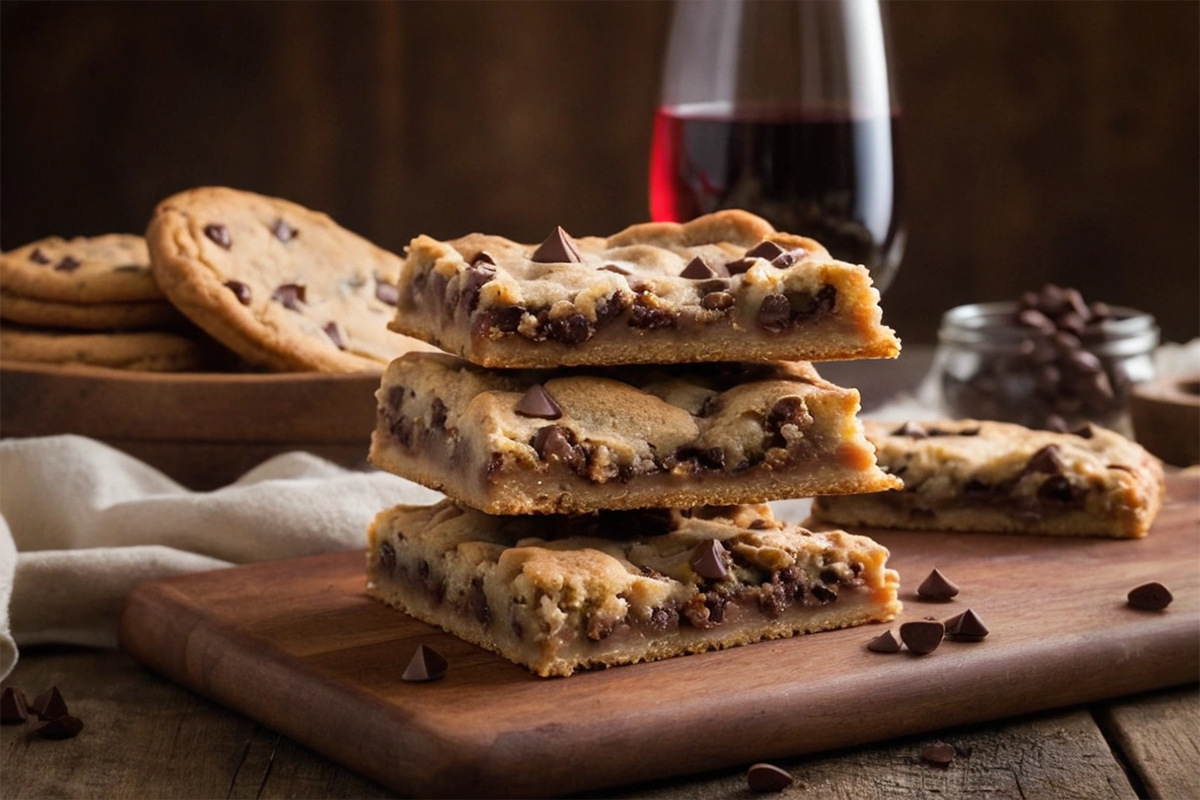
column 571, row 329
column 473, row 280
column 291, row 295
column 791, row 410
column 38, row 257
column 708, row 560
column 426, row 664
column 538, row 403
column 387, row 293
column 68, row 264
column 698, row 269
column 219, row 234
column 283, row 232
column 437, row 413
column 479, row 603
column 1056, row 489
column 557, row 249
column 774, row 313
column 825, row 594
column 387, row 558
column 334, row 332
column 555, row 441
column 647, row 317
column 717, row 301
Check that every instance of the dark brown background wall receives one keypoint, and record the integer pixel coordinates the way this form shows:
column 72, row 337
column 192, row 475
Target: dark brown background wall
column 1043, row 141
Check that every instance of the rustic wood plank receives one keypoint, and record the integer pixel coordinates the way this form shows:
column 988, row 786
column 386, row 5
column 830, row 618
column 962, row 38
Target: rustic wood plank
column 1159, row 736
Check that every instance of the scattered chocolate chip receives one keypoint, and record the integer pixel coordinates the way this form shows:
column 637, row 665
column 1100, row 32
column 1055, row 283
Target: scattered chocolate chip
column 283, row 232
column 885, row 642
column 240, row 290
column 68, row 264
column 708, row 559
column 698, row 269
column 768, row 778
column 774, row 313
column 939, row 754
column 912, row 430
column 49, row 704
column 766, row 250
column 538, row 403
column 386, row 292
column 717, row 301
column 291, row 295
column 923, row 636
column 14, row 707
column 1151, row 596
column 38, row 257
column 426, row 664
column 557, row 249
column 1046, row 460
column 219, row 234
column 967, row 626
column 62, row 727
column 616, row 269
column 937, row 587
column 334, row 332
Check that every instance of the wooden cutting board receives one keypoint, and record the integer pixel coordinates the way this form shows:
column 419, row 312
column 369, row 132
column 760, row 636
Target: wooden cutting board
column 297, row 646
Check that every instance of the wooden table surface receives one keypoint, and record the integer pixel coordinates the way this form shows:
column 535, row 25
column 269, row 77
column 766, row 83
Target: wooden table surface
column 146, row 737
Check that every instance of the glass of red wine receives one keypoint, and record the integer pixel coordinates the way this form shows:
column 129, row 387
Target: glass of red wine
column 785, row 108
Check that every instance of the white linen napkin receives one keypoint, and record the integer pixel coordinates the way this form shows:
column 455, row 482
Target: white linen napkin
column 81, row 523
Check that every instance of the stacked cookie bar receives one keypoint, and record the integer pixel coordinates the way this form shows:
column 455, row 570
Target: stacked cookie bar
column 615, row 414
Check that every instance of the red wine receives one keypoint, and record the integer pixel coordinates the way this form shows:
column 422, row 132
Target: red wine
column 833, row 179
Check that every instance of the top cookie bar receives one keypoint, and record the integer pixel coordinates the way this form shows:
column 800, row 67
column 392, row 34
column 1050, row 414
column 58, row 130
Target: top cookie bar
column 723, row 287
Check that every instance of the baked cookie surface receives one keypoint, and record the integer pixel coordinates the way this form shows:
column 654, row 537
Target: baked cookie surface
column 557, row 594
column 571, row 441
column 723, row 287
column 114, row 268
column 973, row 475
column 279, row 284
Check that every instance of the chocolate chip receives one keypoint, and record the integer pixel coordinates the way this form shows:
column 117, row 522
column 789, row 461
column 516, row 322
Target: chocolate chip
column 698, row 269
column 538, row 403
column 1032, row 318
column 38, row 257
column 479, row 603
column 437, row 413
column 647, row 317
column 557, row 249
column 967, row 626
column 1056, row 489
column 785, row 260
column 774, row 313
column 63, row 727
column 912, row 430
column 387, row 558
column 1046, row 460
column 923, row 636
column 571, row 329
column 791, row 410
column 1151, row 596
column 939, row 754
column 768, row 778
column 708, row 560
column 283, row 232
column 739, row 266
column 473, row 280
column 14, row 707
column 766, row 250
column 885, row 642
column 387, row 292
column 291, row 295
column 937, row 587
column 717, row 301
column 826, row 594
column 554, row 441
column 334, row 332
column 49, row 704
column 219, row 234
column 68, row 264
column 425, row 665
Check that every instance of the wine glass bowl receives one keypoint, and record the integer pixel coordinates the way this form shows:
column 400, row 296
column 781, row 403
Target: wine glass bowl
column 785, row 109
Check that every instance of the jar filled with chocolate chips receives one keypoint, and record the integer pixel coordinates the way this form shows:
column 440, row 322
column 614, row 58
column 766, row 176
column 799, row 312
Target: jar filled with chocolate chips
column 1050, row 360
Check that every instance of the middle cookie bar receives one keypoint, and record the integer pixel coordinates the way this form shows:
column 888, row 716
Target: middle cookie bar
column 567, row 441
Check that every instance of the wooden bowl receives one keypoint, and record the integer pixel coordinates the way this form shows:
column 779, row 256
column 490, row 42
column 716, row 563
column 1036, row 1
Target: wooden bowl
column 202, row 429
column 1166, row 418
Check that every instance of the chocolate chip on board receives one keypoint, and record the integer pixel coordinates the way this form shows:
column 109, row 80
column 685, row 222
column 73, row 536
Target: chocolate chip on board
column 922, row 636
column 63, row 727
column 967, row 627
column 937, row 587
column 426, row 664
column 49, row 704
column 14, row 707
column 940, row 754
column 885, row 642
column 764, row 777
column 708, row 559
column 538, row 403
column 1151, row 596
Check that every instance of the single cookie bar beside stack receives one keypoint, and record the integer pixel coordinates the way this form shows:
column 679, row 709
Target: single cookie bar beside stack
column 971, row 475
column 91, row 300
column 602, row 481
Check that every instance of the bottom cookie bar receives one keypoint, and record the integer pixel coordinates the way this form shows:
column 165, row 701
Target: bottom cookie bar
column 968, row 475
column 557, row 594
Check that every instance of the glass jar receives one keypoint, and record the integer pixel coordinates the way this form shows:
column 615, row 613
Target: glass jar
column 991, row 367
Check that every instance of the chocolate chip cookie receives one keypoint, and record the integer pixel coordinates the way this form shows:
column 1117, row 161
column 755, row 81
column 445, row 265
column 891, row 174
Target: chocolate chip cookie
column 114, row 268
column 151, row 351
column 281, row 285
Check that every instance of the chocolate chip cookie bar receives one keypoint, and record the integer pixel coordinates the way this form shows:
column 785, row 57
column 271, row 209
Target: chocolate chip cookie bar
column 723, row 287
column 283, row 286
column 970, row 475
column 558, row 594
column 565, row 441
